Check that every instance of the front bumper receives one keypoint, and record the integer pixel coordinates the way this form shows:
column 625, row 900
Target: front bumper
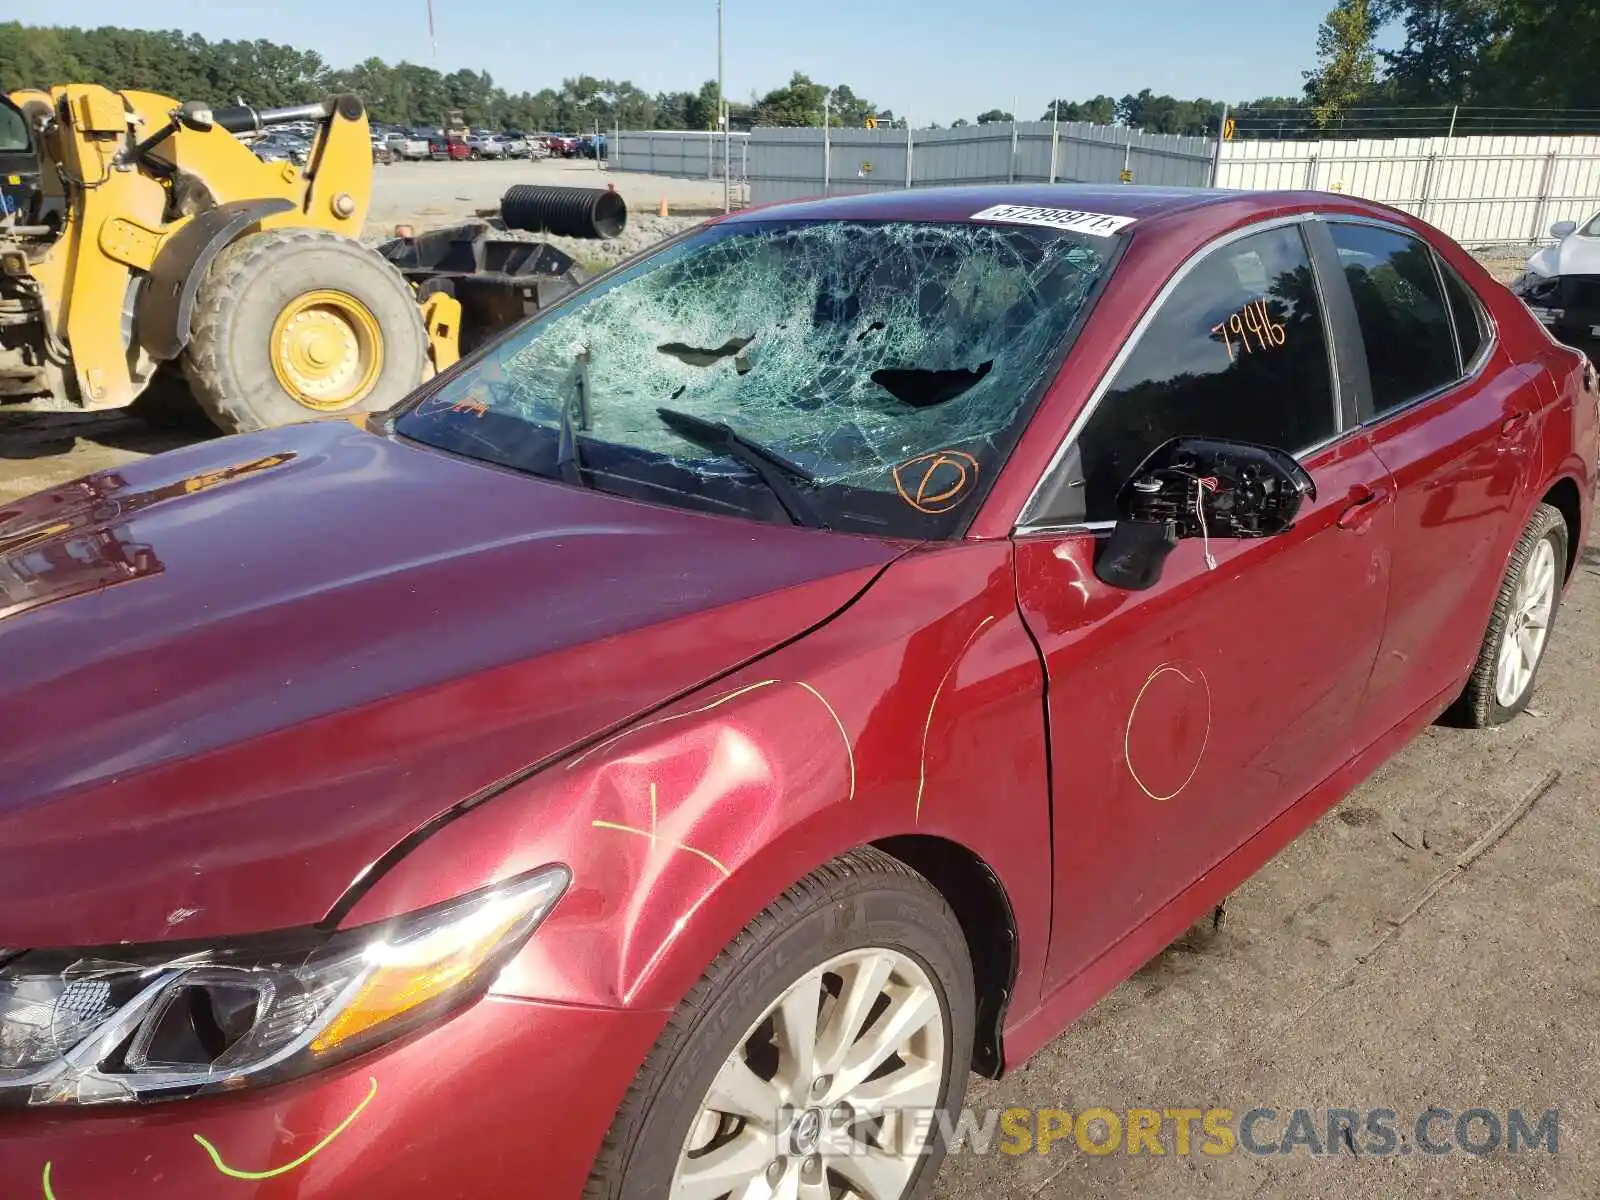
column 509, row 1099
column 1566, row 304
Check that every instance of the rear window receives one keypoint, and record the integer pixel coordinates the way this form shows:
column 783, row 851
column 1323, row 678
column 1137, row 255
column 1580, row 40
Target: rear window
column 1405, row 322
column 1465, row 309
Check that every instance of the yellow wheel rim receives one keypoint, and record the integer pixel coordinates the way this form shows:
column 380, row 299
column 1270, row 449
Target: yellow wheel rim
column 327, row 351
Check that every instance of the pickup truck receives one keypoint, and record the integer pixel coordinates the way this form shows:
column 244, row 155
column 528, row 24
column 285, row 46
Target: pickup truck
column 404, row 145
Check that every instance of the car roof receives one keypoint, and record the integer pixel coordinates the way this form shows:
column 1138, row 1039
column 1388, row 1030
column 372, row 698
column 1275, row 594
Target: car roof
column 1145, row 204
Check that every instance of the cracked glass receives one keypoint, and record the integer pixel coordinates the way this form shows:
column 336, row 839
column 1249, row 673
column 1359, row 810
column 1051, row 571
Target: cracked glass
column 881, row 370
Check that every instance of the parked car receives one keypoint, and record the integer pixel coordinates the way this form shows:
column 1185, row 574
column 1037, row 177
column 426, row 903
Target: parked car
column 516, row 147
column 409, row 146
column 657, row 769
column 592, row 146
column 485, row 145
column 1562, row 282
column 381, row 152
column 279, row 146
column 563, row 145
column 441, row 149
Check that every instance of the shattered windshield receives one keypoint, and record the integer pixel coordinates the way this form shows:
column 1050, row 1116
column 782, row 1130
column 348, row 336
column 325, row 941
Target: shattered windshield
column 868, row 376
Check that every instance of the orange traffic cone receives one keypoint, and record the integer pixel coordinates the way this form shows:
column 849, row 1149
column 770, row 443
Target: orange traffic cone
column 662, row 211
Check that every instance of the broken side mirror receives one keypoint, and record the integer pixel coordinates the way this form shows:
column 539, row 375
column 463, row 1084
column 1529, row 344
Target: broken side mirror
column 1198, row 487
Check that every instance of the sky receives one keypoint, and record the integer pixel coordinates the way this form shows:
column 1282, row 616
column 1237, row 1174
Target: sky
column 933, row 60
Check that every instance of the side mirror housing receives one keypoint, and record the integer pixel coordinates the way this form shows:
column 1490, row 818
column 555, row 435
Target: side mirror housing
column 195, row 115
column 1563, row 229
column 1198, row 487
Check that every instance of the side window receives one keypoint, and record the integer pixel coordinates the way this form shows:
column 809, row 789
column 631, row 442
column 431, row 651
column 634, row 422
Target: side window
column 1404, row 320
column 1467, row 311
column 1237, row 350
column 13, row 130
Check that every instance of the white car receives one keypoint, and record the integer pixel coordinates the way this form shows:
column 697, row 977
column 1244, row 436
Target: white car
column 1562, row 282
column 404, row 145
column 487, row 145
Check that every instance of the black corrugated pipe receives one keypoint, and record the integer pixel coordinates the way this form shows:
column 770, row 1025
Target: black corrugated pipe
column 563, row 211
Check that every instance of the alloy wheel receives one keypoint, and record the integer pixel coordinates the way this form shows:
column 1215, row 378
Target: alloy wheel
column 1527, row 625
column 831, row 1094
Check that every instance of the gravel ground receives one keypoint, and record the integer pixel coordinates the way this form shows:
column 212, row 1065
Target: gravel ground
column 1488, row 996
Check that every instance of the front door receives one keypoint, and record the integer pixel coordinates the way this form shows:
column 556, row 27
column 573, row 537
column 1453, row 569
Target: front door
column 1186, row 717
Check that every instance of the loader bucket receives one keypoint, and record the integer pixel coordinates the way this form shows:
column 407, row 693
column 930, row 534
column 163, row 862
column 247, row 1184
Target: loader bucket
column 498, row 280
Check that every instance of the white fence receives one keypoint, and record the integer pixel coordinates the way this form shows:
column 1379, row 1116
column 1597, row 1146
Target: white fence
column 1480, row 190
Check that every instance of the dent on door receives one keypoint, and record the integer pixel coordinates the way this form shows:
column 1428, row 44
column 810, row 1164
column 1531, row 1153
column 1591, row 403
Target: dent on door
column 1185, row 717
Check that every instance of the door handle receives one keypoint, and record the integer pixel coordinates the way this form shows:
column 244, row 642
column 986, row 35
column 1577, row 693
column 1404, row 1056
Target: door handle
column 1363, row 508
column 1512, row 424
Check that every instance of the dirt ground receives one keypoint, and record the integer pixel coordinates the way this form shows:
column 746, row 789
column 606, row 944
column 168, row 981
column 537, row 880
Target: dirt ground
column 1487, row 997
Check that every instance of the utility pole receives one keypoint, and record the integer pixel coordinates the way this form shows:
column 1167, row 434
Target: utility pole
column 722, row 112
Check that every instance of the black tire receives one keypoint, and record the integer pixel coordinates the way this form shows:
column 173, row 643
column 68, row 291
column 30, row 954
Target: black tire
column 1479, row 706
column 860, row 900
column 229, row 358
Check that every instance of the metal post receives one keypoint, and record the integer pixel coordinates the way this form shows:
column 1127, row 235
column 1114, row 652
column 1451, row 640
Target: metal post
column 1427, row 187
column 1542, row 208
column 827, row 147
column 1311, row 173
column 710, row 173
column 722, row 112
column 1216, row 160
column 1055, row 134
column 1453, row 113
column 908, row 150
column 1011, row 169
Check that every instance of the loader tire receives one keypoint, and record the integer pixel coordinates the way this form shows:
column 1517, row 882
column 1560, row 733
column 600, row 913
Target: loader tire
column 292, row 324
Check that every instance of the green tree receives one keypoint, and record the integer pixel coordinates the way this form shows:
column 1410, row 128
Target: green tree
column 1347, row 64
column 797, row 103
column 994, row 116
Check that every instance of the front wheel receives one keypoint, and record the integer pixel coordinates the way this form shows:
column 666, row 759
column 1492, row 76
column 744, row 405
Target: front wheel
column 818, row 1058
column 297, row 323
column 1519, row 628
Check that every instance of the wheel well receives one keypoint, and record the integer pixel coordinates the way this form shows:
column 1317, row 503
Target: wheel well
column 1564, row 497
column 979, row 901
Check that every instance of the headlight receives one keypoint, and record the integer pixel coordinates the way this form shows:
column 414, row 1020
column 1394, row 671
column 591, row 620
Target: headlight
column 124, row 1024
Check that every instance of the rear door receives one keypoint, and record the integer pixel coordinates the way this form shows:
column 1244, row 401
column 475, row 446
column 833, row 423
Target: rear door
column 1455, row 422
column 1186, row 717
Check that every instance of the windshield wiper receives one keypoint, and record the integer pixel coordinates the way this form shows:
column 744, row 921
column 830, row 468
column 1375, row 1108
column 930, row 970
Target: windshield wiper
column 772, row 468
column 567, row 459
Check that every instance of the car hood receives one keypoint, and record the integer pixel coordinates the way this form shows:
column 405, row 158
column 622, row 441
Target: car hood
column 1572, row 255
column 237, row 674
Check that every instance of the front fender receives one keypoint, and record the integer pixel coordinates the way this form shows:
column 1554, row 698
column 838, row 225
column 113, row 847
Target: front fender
column 919, row 710
column 166, row 301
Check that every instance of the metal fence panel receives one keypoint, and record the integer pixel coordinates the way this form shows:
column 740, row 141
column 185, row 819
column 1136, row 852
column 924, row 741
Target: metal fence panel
column 1480, row 190
column 682, row 154
column 787, row 164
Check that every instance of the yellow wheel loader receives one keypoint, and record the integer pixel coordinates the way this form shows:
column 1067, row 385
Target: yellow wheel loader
column 138, row 234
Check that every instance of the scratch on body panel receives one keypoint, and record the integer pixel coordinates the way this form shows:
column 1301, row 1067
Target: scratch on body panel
column 1127, row 733
column 655, row 838
column 927, row 724
column 234, row 1173
column 271, row 1173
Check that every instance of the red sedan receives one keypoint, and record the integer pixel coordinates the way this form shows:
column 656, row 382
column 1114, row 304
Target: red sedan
column 668, row 752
